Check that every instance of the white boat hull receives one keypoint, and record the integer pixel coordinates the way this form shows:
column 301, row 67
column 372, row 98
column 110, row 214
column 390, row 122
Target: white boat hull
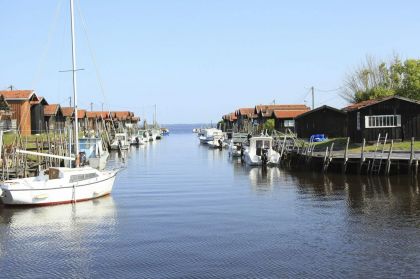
column 254, row 160
column 85, row 190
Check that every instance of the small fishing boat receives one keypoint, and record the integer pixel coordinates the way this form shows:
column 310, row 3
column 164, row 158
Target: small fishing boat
column 157, row 134
column 140, row 138
column 260, row 152
column 120, row 142
column 207, row 135
column 237, row 144
column 218, row 141
column 92, row 150
column 165, row 131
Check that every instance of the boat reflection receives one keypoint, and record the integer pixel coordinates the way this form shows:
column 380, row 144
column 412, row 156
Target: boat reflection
column 65, row 219
column 263, row 178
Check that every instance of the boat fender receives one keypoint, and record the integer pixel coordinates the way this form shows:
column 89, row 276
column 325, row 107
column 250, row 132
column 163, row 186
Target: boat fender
column 1, row 193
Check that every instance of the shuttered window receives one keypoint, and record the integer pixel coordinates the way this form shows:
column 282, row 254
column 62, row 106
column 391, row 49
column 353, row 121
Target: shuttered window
column 382, row 121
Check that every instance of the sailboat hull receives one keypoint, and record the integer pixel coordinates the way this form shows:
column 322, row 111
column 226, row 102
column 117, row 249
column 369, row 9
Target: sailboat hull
column 58, row 194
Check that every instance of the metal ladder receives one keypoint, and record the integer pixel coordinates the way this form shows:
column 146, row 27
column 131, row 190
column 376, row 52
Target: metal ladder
column 377, row 161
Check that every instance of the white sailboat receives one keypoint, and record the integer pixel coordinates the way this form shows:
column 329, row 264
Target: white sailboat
column 60, row 185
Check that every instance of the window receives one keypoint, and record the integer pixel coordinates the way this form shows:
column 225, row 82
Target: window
column 289, row 123
column 382, row 121
column 81, row 177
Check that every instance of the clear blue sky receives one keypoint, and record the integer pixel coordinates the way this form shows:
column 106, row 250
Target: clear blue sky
column 199, row 59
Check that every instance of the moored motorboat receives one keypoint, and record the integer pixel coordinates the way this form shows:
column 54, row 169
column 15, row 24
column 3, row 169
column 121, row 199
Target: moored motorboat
column 140, row 137
column 237, row 144
column 120, row 142
column 260, row 152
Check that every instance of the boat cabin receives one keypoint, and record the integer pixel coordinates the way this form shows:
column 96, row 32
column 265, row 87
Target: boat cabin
column 258, row 144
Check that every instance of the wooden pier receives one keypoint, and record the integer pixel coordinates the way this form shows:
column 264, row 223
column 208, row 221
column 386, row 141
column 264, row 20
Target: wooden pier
column 382, row 161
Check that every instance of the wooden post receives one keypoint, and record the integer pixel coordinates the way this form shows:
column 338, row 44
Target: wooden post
column 345, row 158
column 388, row 161
column 362, row 156
column 283, row 147
column 325, row 158
column 410, row 165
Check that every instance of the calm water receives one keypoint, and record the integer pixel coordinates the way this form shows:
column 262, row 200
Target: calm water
column 180, row 210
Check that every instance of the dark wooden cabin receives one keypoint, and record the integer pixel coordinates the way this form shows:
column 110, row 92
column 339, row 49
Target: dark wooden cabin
column 54, row 117
column 37, row 115
column 284, row 120
column 322, row 120
column 396, row 116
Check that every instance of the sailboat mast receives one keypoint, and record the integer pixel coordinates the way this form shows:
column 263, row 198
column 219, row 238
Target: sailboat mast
column 154, row 118
column 73, row 56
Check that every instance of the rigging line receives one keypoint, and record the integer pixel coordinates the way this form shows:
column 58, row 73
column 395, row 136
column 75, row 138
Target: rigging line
column 92, row 54
column 51, row 32
column 26, row 114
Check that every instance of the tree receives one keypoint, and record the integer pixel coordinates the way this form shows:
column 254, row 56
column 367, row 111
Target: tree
column 269, row 125
column 373, row 79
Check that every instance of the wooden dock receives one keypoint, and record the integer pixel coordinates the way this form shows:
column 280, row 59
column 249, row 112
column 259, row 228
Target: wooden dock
column 382, row 161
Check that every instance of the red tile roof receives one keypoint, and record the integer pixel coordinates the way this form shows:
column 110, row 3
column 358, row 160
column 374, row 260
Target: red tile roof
column 362, row 104
column 17, row 94
column 68, row 111
column 264, row 108
column 97, row 114
column 50, row 110
column 81, row 113
column 230, row 117
column 282, row 114
column 122, row 115
column 245, row 111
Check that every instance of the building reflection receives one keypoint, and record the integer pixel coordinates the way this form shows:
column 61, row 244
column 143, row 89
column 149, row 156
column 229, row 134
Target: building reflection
column 362, row 193
column 398, row 194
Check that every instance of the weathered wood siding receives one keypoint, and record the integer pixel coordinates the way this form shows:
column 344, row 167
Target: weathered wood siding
column 37, row 119
column 21, row 111
column 279, row 125
column 410, row 121
column 324, row 121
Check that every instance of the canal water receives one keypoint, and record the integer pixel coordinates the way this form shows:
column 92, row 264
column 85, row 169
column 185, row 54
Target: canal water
column 180, row 210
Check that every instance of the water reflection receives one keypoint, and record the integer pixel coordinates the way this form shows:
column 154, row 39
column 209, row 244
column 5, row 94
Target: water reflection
column 262, row 178
column 65, row 217
column 396, row 194
column 66, row 233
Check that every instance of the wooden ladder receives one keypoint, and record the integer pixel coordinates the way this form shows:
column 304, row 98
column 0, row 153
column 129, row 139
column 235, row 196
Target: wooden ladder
column 376, row 165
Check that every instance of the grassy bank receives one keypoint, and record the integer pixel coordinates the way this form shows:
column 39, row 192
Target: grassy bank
column 340, row 144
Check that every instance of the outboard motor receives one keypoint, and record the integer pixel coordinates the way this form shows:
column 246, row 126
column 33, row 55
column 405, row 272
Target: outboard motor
column 220, row 143
column 82, row 159
column 137, row 141
column 264, row 157
column 119, row 144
